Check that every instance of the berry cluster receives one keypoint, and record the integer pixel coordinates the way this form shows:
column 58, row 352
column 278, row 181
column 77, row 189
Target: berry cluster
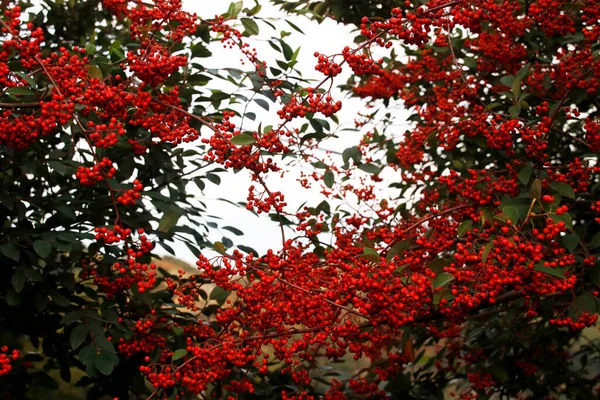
column 99, row 172
column 130, row 196
column 6, row 359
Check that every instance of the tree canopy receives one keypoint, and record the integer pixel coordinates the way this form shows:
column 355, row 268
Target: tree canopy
column 474, row 275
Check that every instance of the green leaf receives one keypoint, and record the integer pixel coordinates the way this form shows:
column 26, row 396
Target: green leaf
column 564, row 189
column 525, row 174
column 507, row 80
column 250, row 26
column 566, row 218
column 104, row 363
column 514, row 111
column 516, row 88
column 87, row 355
column 213, row 178
column 535, row 191
column 295, row 27
column 110, row 315
column 549, row 271
column 43, row 248
column 464, row 227
column 58, row 166
column 78, row 335
column 177, row 354
column 522, row 72
column 20, row 90
column 70, row 317
column 18, row 281
column 486, row 251
column 220, row 295
column 288, row 53
column 94, row 72
column 586, row 303
column 233, row 230
column 234, row 9
column 168, row 221
column 178, row 331
column 442, row 279
column 30, row 81
column 242, row 139
column 199, row 50
column 369, row 168
column 595, row 242
column 262, row 103
column 11, row 251
column 329, row 179
column 396, row 249
column 512, row 214
column 319, row 165
column 438, row 264
column 370, row 254
column 571, row 241
column 498, row 373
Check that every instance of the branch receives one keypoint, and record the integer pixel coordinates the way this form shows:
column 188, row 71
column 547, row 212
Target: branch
column 20, row 105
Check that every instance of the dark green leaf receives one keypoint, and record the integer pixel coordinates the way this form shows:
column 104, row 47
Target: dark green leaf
column 549, row 271
column 535, row 191
column 43, row 248
column 219, row 295
column 11, row 251
column 18, row 281
column 442, row 279
column 250, row 26
column 571, row 241
column 369, row 168
column 464, row 227
column 525, row 174
column 329, row 179
column 78, row 335
column 177, row 354
column 242, row 139
column 512, row 214
column 370, row 254
column 104, row 363
column 486, row 251
column 564, row 189
column 168, row 221
column 396, row 249
column 233, row 230
column 586, row 303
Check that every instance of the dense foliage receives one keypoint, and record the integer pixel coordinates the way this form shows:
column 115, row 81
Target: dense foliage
column 476, row 278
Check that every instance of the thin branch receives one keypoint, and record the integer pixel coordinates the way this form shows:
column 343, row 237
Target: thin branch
column 20, row 105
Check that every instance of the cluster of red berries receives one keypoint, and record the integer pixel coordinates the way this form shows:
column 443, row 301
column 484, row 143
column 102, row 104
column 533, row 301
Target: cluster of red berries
column 111, row 236
column 326, row 66
column 584, row 320
column 313, row 103
column 130, row 196
column 362, row 64
column 106, row 135
column 264, row 202
column 91, row 176
column 6, row 359
column 153, row 64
